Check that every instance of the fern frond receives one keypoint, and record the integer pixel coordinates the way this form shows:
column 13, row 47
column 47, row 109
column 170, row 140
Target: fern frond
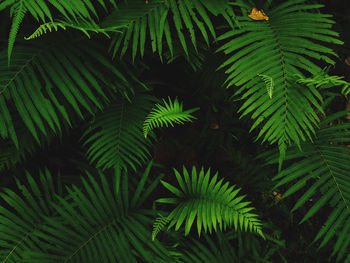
column 211, row 202
column 83, row 9
column 322, row 79
column 154, row 17
column 12, row 154
column 92, row 223
column 219, row 248
column 44, row 27
column 285, row 45
column 59, row 71
column 324, row 166
column 269, row 84
column 115, row 138
column 6, row 3
column 84, row 27
column 27, row 215
column 20, row 11
column 168, row 114
column 158, row 225
column 113, row 228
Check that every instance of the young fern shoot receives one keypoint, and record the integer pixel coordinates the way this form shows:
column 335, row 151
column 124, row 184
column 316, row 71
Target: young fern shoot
column 269, row 84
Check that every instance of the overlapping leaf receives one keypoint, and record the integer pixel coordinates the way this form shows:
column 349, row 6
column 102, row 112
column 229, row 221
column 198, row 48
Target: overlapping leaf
column 45, row 82
column 42, row 10
column 324, row 166
column 27, row 215
column 83, row 26
column 152, row 21
column 99, row 223
column 289, row 43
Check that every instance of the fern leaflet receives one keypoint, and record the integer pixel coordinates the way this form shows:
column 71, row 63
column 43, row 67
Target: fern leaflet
column 158, row 225
column 84, row 27
column 269, row 84
column 20, row 12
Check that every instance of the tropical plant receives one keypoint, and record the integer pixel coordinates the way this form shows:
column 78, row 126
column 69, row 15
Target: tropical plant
column 155, row 16
column 114, row 137
column 83, row 26
column 88, row 105
column 323, row 166
column 284, row 45
column 211, row 202
column 165, row 115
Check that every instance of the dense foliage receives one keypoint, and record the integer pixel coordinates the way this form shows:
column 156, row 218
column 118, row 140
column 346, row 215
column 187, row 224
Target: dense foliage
column 173, row 131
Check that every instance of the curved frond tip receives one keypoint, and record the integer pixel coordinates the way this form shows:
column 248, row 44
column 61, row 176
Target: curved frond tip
column 83, row 26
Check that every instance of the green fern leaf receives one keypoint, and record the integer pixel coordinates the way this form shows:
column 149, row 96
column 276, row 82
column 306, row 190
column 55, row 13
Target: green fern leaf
column 20, row 12
column 211, row 202
column 27, row 214
column 44, row 27
column 168, row 114
column 6, row 3
column 40, row 11
column 83, row 26
column 323, row 164
column 12, row 153
column 120, row 142
column 158, row 225
column 90, row 221
column 281, row 47
column 322, row 79
column 156, row 16
column 56, row 69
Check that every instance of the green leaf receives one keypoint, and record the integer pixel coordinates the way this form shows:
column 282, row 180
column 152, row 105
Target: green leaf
column 211, row 206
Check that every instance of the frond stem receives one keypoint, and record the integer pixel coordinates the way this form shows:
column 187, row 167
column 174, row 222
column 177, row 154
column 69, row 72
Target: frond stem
column 284, row 77
column 18, row 72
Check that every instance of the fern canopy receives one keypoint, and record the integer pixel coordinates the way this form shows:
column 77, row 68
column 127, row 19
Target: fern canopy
column 214, row 204
column 279, row 63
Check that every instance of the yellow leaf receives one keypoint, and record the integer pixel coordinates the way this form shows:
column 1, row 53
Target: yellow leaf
column 256, row 14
